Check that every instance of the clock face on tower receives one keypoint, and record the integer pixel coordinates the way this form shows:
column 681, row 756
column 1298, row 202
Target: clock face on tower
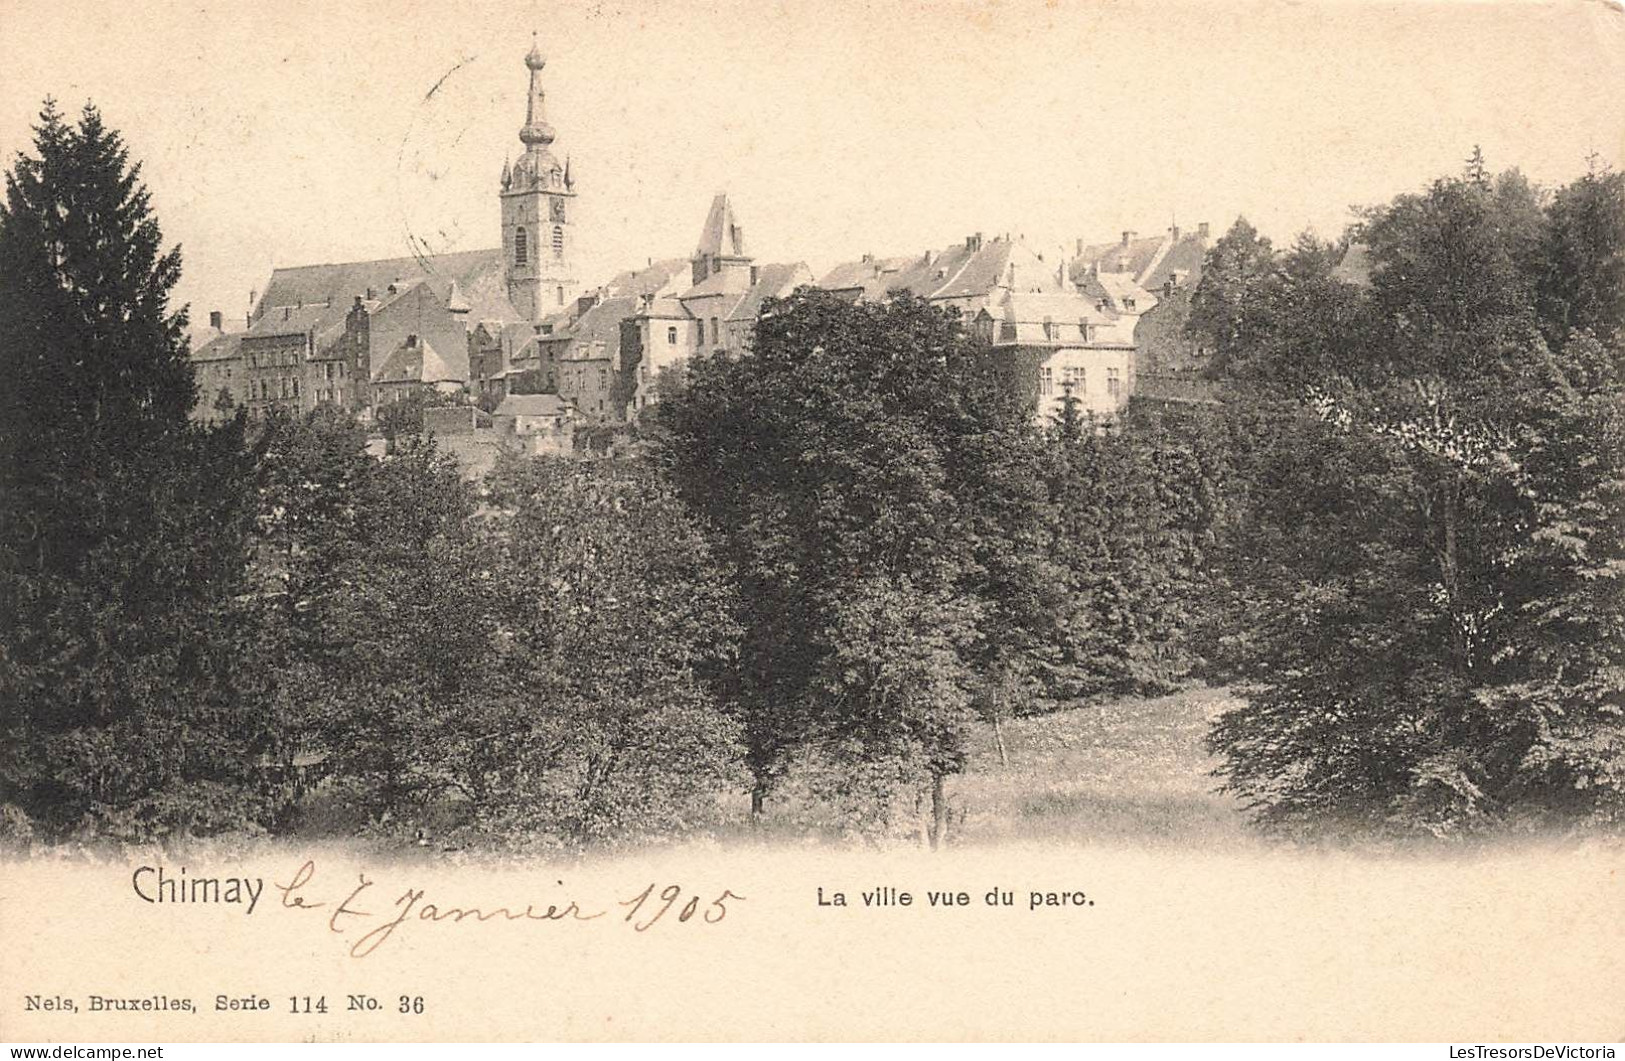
column 558, row 208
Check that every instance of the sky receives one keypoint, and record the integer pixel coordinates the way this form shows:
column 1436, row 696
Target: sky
column 290, row 133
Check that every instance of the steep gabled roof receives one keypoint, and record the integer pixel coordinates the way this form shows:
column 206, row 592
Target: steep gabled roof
column 1133, row 256
column 772, row 281
column 597, row 333
column 722, row 234
column 421, row 362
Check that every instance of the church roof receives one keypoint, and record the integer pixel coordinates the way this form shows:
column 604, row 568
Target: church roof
column 340, row 282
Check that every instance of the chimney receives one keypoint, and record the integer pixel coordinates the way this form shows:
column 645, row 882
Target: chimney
column 973, row 243
column 372, row 294
column 755, row 275
column 1080, row 247
column 358, row 302
column 868, row 259
column 411, row 340
column 1128, row 236
column 1173, row 233
column 214, row 319
column 1202, row 230
column 286, row 313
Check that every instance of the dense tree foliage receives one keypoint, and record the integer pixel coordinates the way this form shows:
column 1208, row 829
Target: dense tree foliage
column 1402, row 535
column 876, row 490
column 1429, row 554
column 122, row 526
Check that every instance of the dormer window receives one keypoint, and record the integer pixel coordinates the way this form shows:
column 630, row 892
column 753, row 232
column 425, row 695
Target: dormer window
column 521, row 247
column 1128, row 303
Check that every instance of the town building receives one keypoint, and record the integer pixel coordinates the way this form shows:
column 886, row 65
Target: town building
column 1064, row 345
column 970, row 276
column 516, row 322
column 217, row 370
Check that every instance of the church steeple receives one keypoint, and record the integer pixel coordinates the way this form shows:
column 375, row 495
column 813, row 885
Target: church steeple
column 536, row 132
column 536, row 190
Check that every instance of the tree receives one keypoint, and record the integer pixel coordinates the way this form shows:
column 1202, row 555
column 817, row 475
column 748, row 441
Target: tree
column 1229, row 309
column 874, row 486
column 1582, row 282
column 122, row 525
column 1429, row 545
column 615, row 620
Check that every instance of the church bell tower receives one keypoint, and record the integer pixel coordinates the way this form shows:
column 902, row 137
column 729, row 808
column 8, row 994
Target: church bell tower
column 538, row 213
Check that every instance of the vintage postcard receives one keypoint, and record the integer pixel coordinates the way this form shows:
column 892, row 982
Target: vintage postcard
column 757, row 520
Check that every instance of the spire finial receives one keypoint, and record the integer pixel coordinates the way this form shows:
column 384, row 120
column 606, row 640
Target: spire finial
column 536, row 131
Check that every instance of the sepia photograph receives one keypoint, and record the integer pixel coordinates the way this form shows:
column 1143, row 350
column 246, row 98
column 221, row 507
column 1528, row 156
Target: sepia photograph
column 744, row 520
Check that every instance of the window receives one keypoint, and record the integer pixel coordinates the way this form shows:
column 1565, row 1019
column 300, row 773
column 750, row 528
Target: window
column 558, row 242
column 671, row 335
column 1113, row 385
column 716, row 334
column 1072, row 377
column 1128, row 303
column 521, row 246
column 561, row 302
column 1046, row 381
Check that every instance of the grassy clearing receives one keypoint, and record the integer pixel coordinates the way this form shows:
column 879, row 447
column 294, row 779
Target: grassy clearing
column 1131, row 770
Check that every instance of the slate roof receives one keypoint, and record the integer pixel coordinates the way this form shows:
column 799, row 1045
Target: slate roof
column 1119, row 257
column 1117, row 289
column 290, row 321
column 959, row 271
column 223, row 347
column 1152, row 261
column 772, row 281
column 420, row 362
column 533, row 405
column 600, row 324
column 340, row 282
column 865, row 274
column 665, row 309
column 1028, row 313
column 656, row 278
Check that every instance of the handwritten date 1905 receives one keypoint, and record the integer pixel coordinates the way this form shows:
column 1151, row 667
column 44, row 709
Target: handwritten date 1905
column 669, row 895
column 361, row 917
